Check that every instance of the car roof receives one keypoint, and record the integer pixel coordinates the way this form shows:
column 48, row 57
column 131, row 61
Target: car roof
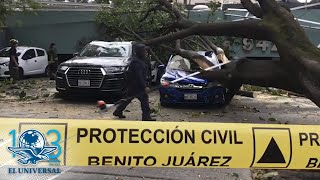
column 28, row 47
column 104, row 43
column 22, row 48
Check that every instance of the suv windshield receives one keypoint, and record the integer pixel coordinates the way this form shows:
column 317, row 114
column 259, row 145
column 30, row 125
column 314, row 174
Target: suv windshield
column 92, row 50
column 179, row 63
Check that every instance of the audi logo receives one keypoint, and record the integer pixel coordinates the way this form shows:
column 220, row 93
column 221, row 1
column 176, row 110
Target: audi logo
column 84, row 71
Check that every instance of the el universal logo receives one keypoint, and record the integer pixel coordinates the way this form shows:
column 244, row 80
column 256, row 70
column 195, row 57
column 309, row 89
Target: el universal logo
column 32, row 149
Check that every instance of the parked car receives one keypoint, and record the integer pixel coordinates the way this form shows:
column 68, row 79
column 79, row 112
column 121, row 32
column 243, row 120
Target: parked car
column 32, row 61
column 192, row 90
column 100, row 67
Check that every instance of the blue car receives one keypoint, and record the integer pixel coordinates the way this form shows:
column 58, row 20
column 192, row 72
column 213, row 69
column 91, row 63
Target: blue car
column 192, row 90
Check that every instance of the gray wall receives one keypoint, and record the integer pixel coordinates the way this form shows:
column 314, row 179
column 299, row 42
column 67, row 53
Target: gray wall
column 65, row 28
column 3, row 41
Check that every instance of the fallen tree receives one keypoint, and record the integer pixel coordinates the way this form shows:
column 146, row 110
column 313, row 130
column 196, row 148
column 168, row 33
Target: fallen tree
column 298, row 69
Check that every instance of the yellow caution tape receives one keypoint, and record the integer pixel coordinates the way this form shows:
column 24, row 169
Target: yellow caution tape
column 158, row 144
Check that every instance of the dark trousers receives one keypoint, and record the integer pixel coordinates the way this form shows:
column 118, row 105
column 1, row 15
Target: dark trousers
column 14, row 73
column 52, row 70
column 144, row 100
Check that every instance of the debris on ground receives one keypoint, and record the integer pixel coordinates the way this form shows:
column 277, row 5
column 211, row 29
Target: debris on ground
column 28, row 89
column 262, row 119
column 271, row 91
column 272, row 119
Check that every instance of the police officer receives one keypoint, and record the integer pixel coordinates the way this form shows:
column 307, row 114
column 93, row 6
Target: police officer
column 137, row 83
column 14, row 64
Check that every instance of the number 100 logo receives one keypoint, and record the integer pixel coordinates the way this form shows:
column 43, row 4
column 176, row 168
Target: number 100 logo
column 36, row 142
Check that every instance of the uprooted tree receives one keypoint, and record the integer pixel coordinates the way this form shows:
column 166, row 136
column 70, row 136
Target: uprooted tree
column 298, row 69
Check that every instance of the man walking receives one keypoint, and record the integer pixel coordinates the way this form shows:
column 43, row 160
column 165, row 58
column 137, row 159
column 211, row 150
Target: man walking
column 52, row 60
column 14, row 64
column 137, row 83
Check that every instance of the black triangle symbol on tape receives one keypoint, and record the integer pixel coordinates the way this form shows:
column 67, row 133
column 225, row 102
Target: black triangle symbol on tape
column 272, row 154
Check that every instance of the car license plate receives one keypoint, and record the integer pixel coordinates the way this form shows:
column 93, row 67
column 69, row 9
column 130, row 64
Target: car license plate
column 190, row 96
column 84, row 83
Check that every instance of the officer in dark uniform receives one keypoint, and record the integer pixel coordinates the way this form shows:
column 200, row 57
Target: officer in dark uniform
column 52, row 61
column 14, row 64
column 137, row 83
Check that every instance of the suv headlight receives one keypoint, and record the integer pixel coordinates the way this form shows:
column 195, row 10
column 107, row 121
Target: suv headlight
column 63, row 68
column 113, row 69
column 164, row 82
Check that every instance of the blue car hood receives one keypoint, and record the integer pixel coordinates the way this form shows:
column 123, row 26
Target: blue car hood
column 172, row 74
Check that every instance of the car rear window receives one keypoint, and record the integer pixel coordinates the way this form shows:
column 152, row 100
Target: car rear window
column 40, row 52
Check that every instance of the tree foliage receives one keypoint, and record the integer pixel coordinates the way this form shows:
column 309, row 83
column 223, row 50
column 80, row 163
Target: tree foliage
column 126, row 17
column 129, row 20
column 8, row 6
column 136, row 20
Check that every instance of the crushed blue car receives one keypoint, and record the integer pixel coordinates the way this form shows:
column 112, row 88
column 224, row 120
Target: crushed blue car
column 192, row 90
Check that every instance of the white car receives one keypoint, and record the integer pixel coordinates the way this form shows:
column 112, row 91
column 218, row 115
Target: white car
column 32, row 61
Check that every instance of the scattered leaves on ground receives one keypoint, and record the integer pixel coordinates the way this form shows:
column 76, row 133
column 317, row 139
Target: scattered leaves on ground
column 195, row 115
column 262, row 119
column 236, row 175
column 270, row 175
column 272, row 119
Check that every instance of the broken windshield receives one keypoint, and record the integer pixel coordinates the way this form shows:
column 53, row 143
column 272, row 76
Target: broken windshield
column 179, row 63
column 105, row 51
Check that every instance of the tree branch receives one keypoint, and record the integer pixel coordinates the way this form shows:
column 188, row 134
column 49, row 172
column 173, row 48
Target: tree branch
column 182, row 22
column 198, row 44
column 209, row 43
column 189, row 45
column 255, row 72
column 157, row 7
column 171, row 8
column 237, row 29
column 268, row 5
column 202, row 61
column 141, row 39
column 252, row 8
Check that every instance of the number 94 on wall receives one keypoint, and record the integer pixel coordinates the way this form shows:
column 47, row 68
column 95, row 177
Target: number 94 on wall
column 250, row 44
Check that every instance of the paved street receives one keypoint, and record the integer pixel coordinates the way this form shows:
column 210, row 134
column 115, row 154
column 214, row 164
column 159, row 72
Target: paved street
column 263, row 109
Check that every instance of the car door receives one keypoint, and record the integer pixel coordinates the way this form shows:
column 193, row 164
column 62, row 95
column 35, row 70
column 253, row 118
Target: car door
column 30, row 63
column 42, row 60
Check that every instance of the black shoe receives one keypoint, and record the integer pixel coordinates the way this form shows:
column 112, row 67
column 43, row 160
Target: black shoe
column 119, row 115
column 148, row 119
